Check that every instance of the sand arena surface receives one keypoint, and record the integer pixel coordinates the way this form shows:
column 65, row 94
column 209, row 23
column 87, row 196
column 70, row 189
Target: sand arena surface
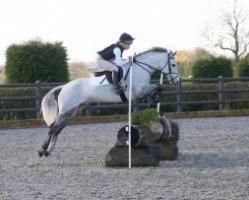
column 213, row 163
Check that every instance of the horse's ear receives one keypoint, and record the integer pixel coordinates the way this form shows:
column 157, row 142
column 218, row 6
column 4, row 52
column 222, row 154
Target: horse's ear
column 174, row 53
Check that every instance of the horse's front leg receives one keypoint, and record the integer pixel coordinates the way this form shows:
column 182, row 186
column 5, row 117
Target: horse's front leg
column 152, row 90
column 149, row 89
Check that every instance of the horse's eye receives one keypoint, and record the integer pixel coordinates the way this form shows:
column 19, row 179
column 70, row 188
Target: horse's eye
column 173, row 65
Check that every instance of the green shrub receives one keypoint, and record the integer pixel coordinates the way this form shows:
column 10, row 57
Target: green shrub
column 34, row 60
column 143, row 117
column 243, row 68
column 212, row 67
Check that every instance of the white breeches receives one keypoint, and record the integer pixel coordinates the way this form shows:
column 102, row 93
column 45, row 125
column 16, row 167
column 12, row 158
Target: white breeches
column 104, row 64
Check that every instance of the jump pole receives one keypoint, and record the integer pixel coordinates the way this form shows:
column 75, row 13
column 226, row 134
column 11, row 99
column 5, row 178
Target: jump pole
column 129, row 116
column 158, row 104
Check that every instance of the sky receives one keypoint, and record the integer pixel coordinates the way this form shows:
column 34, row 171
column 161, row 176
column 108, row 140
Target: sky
column 86, row 26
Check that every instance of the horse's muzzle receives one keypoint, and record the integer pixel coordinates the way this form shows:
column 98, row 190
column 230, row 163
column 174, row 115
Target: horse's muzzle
column 176, row 81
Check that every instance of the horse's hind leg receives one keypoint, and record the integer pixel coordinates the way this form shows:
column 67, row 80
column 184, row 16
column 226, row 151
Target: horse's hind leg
column 47, row 141
column 54, row 136
column 54, row 131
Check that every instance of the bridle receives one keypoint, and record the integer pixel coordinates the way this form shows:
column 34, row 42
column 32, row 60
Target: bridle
column 168, row 62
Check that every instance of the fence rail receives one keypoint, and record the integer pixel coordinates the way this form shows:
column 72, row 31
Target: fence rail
column 179, row 92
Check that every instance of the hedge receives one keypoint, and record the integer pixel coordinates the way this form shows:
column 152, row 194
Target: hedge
column 34, row 60
column 212, row 67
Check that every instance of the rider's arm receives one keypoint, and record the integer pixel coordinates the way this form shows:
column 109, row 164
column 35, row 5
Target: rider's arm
column 118, row 59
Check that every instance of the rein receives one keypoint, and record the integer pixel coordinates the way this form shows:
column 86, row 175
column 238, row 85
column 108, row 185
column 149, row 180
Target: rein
column 139, row 64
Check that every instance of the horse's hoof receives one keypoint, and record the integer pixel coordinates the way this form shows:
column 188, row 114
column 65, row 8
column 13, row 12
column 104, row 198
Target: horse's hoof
column 158, row 86
column 44, row 147
column 46, row 154
column 40, row 153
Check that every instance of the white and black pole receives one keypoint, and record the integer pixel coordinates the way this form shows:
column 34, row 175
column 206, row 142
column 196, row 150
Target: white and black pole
column 129, row 116
column 158, row 104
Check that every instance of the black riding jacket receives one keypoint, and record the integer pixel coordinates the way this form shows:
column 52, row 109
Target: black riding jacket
column 108, row 53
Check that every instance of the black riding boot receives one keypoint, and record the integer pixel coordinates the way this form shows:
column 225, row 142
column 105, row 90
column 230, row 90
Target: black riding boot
column 116, row 84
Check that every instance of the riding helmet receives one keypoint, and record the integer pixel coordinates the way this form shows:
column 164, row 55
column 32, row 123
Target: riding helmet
column 126, row 38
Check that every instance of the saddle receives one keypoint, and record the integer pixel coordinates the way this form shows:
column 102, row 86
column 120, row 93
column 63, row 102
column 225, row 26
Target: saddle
column 108, row 75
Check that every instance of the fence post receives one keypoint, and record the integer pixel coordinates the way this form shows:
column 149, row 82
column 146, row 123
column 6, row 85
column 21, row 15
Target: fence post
column 38, row 97
column 88, row 109
column 179, row 96
column 221, row 92
column 134, row 105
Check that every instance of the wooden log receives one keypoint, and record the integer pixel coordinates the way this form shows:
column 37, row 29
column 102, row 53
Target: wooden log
column 142, row 156
column 165, row 129
column 168, row 150
column 142, row 153
column 157, row 131
column 138, row 136
column 171, row 130
column 175, row 133
column 162, row 135
column 149, row 133
column 123, row 136
column 167, row 144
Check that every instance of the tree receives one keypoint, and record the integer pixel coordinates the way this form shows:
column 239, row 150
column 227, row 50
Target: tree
column 186, row 58
column 236, row 35
column 232, row 37
column 79, row 70
column 2, row 77
column 183, row 59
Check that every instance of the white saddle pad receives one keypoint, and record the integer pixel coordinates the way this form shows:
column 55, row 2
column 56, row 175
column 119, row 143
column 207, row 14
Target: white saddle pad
column 97, row 81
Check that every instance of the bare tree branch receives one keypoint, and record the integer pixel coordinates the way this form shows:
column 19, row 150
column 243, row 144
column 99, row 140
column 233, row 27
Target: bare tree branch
column 226, row 48
column 233, row 21
column 245, row 49
column 233, row 38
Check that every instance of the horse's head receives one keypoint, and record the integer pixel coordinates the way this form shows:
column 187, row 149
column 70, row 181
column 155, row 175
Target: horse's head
column 170, row 69
column 159, row 59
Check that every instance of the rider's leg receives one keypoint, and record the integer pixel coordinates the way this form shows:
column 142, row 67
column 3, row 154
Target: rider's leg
column 117, row 87
column 103, row 65
column 109, row 66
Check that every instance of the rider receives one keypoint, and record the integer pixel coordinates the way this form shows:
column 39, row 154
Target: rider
column 111, row 57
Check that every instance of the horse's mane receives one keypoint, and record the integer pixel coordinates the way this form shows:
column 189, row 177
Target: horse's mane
column 153, row 49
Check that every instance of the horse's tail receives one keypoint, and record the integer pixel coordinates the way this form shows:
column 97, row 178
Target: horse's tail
column 49, row 105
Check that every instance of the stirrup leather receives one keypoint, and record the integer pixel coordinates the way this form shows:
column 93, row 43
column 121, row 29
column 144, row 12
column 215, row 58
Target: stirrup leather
column 118, row 88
